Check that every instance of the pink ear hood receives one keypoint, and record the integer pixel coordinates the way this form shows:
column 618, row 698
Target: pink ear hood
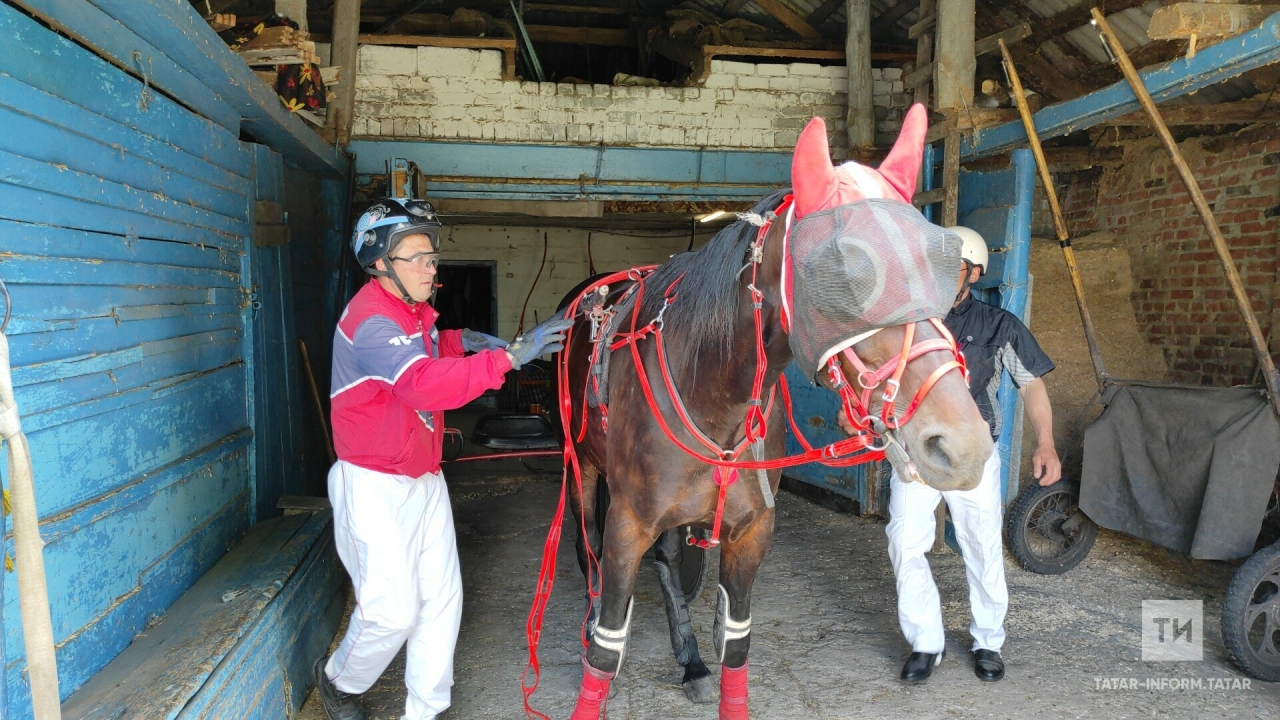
column 818, row 185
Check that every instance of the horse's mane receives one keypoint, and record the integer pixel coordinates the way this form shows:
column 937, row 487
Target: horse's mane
column 707, row 306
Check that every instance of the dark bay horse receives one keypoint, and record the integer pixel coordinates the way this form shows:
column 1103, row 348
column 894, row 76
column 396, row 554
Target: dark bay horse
column 704, row 304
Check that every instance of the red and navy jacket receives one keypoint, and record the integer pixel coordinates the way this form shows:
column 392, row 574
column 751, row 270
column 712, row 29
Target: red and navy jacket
column 394, row 376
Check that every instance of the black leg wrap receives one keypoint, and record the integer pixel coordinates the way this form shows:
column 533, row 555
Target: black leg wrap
column 678, row 620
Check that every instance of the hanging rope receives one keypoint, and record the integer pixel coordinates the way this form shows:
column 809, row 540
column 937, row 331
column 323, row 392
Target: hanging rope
column 33, row 591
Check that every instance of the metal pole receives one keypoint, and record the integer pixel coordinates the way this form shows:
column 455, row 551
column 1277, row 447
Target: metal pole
column 1265, row 362
column 1059, row 224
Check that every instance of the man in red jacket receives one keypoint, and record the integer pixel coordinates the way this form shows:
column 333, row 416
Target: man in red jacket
column 394, row 375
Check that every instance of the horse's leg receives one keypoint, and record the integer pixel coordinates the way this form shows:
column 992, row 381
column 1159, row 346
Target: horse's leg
column 624, row 546
column 590, row 515
column 740, row 558
column 697, row 678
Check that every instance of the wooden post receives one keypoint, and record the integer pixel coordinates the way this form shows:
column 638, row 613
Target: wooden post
column 1059, row 222
column 1265, row 363
column 956, row 63
column 295, row 10
column 346, row 31
column 924, row 49
column 857, row 53
column 951, row 179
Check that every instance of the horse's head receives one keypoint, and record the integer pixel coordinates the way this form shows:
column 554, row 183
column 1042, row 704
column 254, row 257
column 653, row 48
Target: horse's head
column 867, row 272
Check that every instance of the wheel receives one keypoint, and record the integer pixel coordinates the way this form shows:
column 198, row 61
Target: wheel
column 1046, row 531
column 1251, row 615
column 693, row 568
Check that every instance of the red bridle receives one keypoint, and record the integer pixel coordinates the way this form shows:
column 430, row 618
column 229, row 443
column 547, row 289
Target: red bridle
column 857, row 405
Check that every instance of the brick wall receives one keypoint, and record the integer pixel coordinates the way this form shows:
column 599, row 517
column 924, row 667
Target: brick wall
column 457, row 94
column 1180, row 294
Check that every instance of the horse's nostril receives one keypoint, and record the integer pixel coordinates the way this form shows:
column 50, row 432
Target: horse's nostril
column 935, row 447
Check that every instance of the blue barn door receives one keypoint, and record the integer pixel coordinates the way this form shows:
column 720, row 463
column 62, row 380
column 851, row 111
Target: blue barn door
column 996, row 203
column 125, row 220
column 276, row 397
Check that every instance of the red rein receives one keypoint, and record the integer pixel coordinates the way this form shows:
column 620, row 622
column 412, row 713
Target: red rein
column 726, row 464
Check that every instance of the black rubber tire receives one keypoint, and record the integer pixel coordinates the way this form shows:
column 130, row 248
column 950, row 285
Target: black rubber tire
column 1251, row 613
column 1033, row 528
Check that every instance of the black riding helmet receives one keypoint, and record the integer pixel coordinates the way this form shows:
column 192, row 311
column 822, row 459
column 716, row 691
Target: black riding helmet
column 384, row 225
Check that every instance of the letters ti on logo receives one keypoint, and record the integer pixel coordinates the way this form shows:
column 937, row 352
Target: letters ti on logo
column 1172, row 630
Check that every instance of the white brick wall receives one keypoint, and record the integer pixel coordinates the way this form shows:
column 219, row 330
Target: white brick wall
column 447, row 94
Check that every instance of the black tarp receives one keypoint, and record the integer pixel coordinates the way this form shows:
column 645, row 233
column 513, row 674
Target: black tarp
column 1187, row 468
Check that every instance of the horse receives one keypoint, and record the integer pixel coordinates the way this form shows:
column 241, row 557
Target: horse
column 698, row 344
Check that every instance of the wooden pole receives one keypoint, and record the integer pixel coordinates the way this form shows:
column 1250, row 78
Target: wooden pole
column 861, row 119
column 924, row 50
column 1059, row 223
column 1265, row 363
column 346, row 32
column 315, row 395
column 956, row 62
column 951, row 179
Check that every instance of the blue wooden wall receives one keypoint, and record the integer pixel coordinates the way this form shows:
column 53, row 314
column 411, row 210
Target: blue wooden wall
column 141, row 360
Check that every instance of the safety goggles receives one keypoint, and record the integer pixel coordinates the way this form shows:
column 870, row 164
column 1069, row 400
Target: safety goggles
column 421, row 262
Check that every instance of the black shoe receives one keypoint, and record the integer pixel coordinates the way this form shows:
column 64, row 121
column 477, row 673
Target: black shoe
column 988, row 665
column 337, row 704
column 920, row 665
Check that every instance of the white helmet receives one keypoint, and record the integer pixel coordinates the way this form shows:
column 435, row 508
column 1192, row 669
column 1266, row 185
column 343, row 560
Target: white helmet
column 973, row 248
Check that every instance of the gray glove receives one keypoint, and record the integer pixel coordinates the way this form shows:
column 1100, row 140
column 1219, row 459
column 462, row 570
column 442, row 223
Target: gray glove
column 475, row 341
column 546, row 338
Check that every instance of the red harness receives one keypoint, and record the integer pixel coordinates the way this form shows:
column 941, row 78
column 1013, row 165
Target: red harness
column 857, row 449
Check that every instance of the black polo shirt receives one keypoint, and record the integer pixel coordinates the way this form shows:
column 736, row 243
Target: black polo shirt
column 993, row 339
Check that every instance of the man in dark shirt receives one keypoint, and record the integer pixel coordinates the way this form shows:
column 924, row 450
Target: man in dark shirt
column 993, row 341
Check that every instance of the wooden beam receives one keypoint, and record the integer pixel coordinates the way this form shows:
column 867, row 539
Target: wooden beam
column 1241, row 112
column 956, row 63
column 732, row 8
column 609, row 37
column 923, row 25
column 824, row 11
column 924, row 53
column 794, row 53
column 576, row 9
column 789, row 18
column 1038, row 73
column 890, row 17
column 1155, row 52
column 346, row 31
column 1184, row 20
column 861, row 119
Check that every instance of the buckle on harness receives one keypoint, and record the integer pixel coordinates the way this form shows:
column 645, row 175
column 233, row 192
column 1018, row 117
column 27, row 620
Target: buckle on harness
column 891, row 387
column 657, row 321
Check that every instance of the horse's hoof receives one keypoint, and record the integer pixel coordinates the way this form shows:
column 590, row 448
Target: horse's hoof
column 701, row 690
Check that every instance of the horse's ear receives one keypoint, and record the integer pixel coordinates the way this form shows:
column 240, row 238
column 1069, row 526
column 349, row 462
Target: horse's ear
column 902, row 164
column 813, row 179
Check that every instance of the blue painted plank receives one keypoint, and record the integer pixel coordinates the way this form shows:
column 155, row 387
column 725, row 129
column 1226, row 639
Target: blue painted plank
column 118, row 44
column 174, row 27
column 50, row 271
column 41, row 305
column 95, row 192
column 34, row 206
column 63, row 69
column 1258, row 47
column 60, row 384
column 106, row 449
column 22, row 98
column 98, row 335
column 31, row 137
column 92, row 647
column 21, row 238
column 268, row 673
column 127, row 541
column 268, row 175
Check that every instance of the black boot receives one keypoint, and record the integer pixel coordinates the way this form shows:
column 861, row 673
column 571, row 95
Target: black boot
column 920, row 665
column 337, row 704
column 988, row 665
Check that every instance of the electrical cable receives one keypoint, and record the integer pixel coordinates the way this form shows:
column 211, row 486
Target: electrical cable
column 520, row 325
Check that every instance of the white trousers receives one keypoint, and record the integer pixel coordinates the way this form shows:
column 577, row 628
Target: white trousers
column 978, row 518
column 395, row 536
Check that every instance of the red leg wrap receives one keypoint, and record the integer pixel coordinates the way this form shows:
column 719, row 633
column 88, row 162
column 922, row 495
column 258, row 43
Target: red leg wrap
column 733, row 693
column 593, row 694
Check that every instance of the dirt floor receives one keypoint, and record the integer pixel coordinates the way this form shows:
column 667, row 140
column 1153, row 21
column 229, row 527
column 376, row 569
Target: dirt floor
column 826, row 642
